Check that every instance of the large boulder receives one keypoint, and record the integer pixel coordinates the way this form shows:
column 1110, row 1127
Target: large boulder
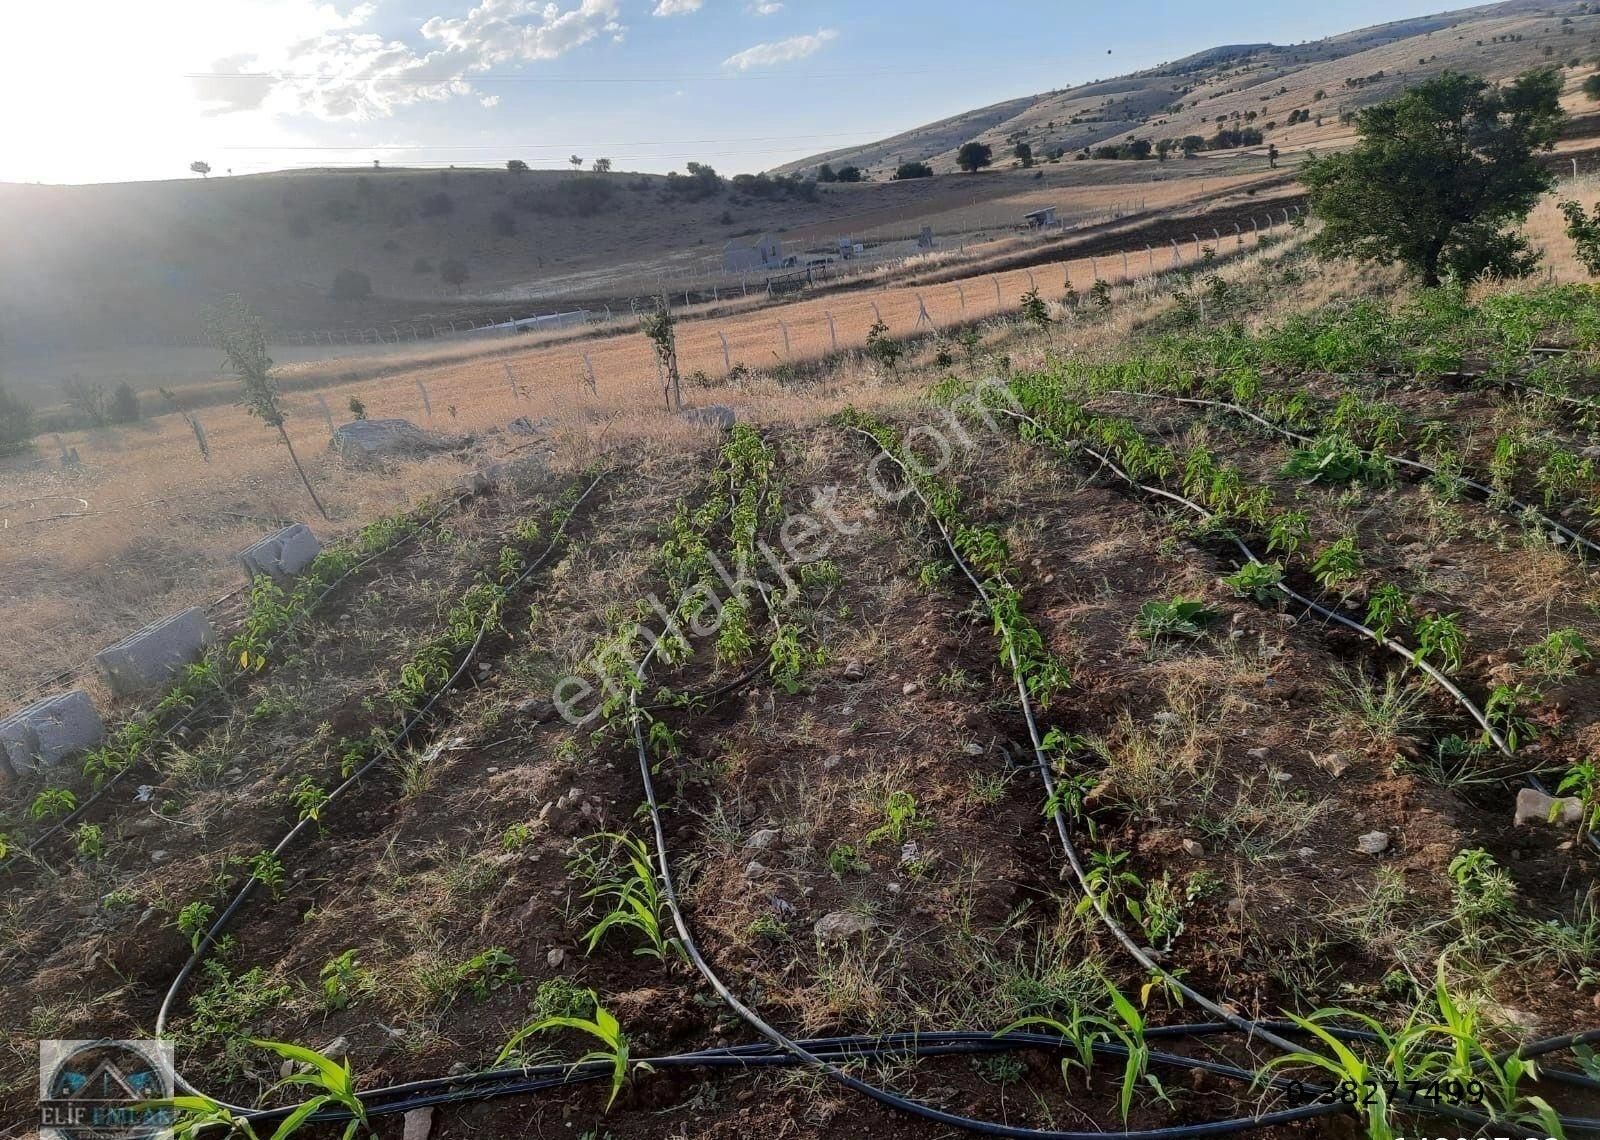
column 366, row 441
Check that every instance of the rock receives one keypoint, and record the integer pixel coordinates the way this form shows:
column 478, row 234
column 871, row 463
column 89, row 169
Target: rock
column 1373, row 843
column 854, row 670
column 556, row 958
column 719, row 416
column 1193, row 847
column 337, row 1049
column 1535, row 807
column 1235, row 908
column 761, row 840
column 1591, row 452
column 1307, row 853
column 536, row 710
column 280, row 556
column 974, row 749
column 1167, row 719
column 1257, row 753
column 782, row 908
column 754, row 870
column 910, row 852
column 1335, row 764
column 841, row 926
column 909, row 688
column 366, row 441
column 159, row 856
column 418, row 1124
column 833, row 762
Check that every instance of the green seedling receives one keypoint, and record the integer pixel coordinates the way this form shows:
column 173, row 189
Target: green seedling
column 603, row 1027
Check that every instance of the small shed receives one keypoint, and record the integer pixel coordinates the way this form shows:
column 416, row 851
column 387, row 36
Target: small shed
column 1040, row 219
column 765, row 252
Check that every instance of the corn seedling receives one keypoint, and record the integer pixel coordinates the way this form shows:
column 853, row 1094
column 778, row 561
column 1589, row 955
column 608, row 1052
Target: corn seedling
column 603, row 1027
column 621, row 875
column 332, row 1078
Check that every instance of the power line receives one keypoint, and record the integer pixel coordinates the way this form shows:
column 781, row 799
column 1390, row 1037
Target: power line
column 276, row 76
column 499, row 146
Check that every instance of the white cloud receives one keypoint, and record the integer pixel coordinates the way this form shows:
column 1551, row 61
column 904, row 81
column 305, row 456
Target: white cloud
column 766, row 7
column 489, row 102
column 343, row 73
column 781, row 51
column 676, row 7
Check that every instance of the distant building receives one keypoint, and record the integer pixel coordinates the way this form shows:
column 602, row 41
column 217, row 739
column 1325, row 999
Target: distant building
column 765, row 252
column 1039, row 219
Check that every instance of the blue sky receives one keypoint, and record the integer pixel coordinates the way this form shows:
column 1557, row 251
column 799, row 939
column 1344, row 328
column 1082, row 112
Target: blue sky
column 652, row 84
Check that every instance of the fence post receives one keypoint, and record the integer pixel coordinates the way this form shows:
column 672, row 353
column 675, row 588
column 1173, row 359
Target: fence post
column 1126, row 274
column 1150, row 253
column 833, row 333
column 511, row 378
column 785, row 330
column 1177, row 256
column 588, row 372
column 961, row 296
column 727, row 365
column 998, row 303
column 876, row 313
column 426, row 405
column 922, row 314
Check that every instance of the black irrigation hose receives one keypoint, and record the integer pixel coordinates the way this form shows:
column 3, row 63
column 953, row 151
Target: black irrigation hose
column 1517, row 507
column 215, row 932
column 116, row 778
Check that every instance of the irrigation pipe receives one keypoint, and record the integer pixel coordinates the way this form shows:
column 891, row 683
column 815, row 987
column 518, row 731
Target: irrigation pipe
column 294, row 626
column 243, row 896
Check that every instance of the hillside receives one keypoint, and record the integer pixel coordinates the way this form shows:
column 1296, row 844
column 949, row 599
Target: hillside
column 1255, row 85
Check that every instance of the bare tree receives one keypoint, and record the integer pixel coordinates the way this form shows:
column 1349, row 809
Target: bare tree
column 238, row 333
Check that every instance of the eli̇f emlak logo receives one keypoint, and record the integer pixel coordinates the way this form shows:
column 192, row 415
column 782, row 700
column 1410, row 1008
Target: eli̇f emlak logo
column 93, row 1090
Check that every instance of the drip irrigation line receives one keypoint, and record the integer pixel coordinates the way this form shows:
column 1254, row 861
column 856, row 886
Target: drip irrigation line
column 299, row 620
column 1384, row 641
column 248, row 889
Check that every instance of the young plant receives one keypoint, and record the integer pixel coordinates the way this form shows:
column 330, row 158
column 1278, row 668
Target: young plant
column 1257, row 580
column 1177, row 618
column 1338, row 565
column 1440, row 640
column 1387, row 608
column 343, row 980
column 882, row 347
column 90, row 839
column 1559, row 655
column 1288, row 533
column 620, row 872
column 267, row 869
column 1335, row 461
column 50, row 803
column 309, row 800
column 486, row 971
column 332, row 1078
column 1503, row 710
column 603, row 1027
column 1583, row 780
column 1034, row 311
column 194, row 920
column 899, row 817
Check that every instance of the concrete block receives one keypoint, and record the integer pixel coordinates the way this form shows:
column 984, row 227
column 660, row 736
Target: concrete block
column 713, row 415
column 149, row 658
column 281, row 555
column 50, row 730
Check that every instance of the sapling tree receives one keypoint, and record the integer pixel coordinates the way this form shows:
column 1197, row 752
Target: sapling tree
column 238, row 333
column 659, row 326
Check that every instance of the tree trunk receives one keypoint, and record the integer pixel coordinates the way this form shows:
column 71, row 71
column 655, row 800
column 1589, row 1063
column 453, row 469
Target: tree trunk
column 283, row 435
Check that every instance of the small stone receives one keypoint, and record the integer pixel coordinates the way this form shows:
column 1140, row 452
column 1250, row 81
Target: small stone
column 754, row 870
column 1167, row 719
column 233, row 773
column 909, row 688
column 143, row 792
column 1373, row 843
column 1257, row 753
column 782, row 908
column 336, row 1049
column 833, row 761
column 1535, row 807
column 1335, row 764
column 1307, row 853
column 910, row 852
column 974, row 749
column 556, row 958
column 1235, row 908
column 761, row 840
column 536, row 710
column 1279, row 777
column 418, row 1124
column 893, row 887
column 1193, row 847
column 854, row 670
column 842, row 925
column 158, row 856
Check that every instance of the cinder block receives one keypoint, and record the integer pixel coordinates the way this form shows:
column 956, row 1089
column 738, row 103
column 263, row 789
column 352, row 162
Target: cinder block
column 281, row 555
column 50, row 730
column 150, row 657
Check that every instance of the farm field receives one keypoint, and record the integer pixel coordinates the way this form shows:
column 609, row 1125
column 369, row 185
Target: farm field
column 69, row 526
column 1119, row 685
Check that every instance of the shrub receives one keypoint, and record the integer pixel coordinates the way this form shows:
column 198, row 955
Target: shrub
column 16, row 424
column 350, row 285
column 974, row 156
column 517, row 166
column 453, row 271
column 909, row 170
column 124, row 405
column 503, row 224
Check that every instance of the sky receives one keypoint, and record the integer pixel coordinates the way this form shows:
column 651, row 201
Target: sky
column 113, row 90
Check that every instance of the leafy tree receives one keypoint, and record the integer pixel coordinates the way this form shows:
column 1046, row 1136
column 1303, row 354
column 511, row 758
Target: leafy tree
column 1591, row 87
column 850, row 174
column 1585, row 234
column 238, row 333
column 575, row 162
column 660, row 328
column 200, row 168
column 350, row 285
column 974, row 156
column 1191, row 144
column 453, row 271
column 909, row 170
column 517, row 166
column 602, row 166
column 1438, row 175
column 124, row 407
column 16, row 424
column 1024, row 154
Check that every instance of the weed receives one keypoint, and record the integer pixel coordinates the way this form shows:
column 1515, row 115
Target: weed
column 486, row 971
column 842, row 859
column 557, row 997
column 515, row 837
column 1336, row 461
column 899, row 816
column 343, row 979
column 1558, row 656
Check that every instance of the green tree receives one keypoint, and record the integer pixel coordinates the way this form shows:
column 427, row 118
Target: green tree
column 1024, row 154
column 238, row 333
column 203, row 169
column 124, row 407
column 909, row 170
column 1585, row 234
column 850, row 174
column 974, row 156
column 16, row 424
column 517, row 166
column 825, row 174
column 1591, row 87
column 1438, row 175
column 453, row 271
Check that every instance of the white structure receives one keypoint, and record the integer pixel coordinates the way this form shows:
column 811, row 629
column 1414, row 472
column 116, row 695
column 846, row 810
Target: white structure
column 765, row 252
